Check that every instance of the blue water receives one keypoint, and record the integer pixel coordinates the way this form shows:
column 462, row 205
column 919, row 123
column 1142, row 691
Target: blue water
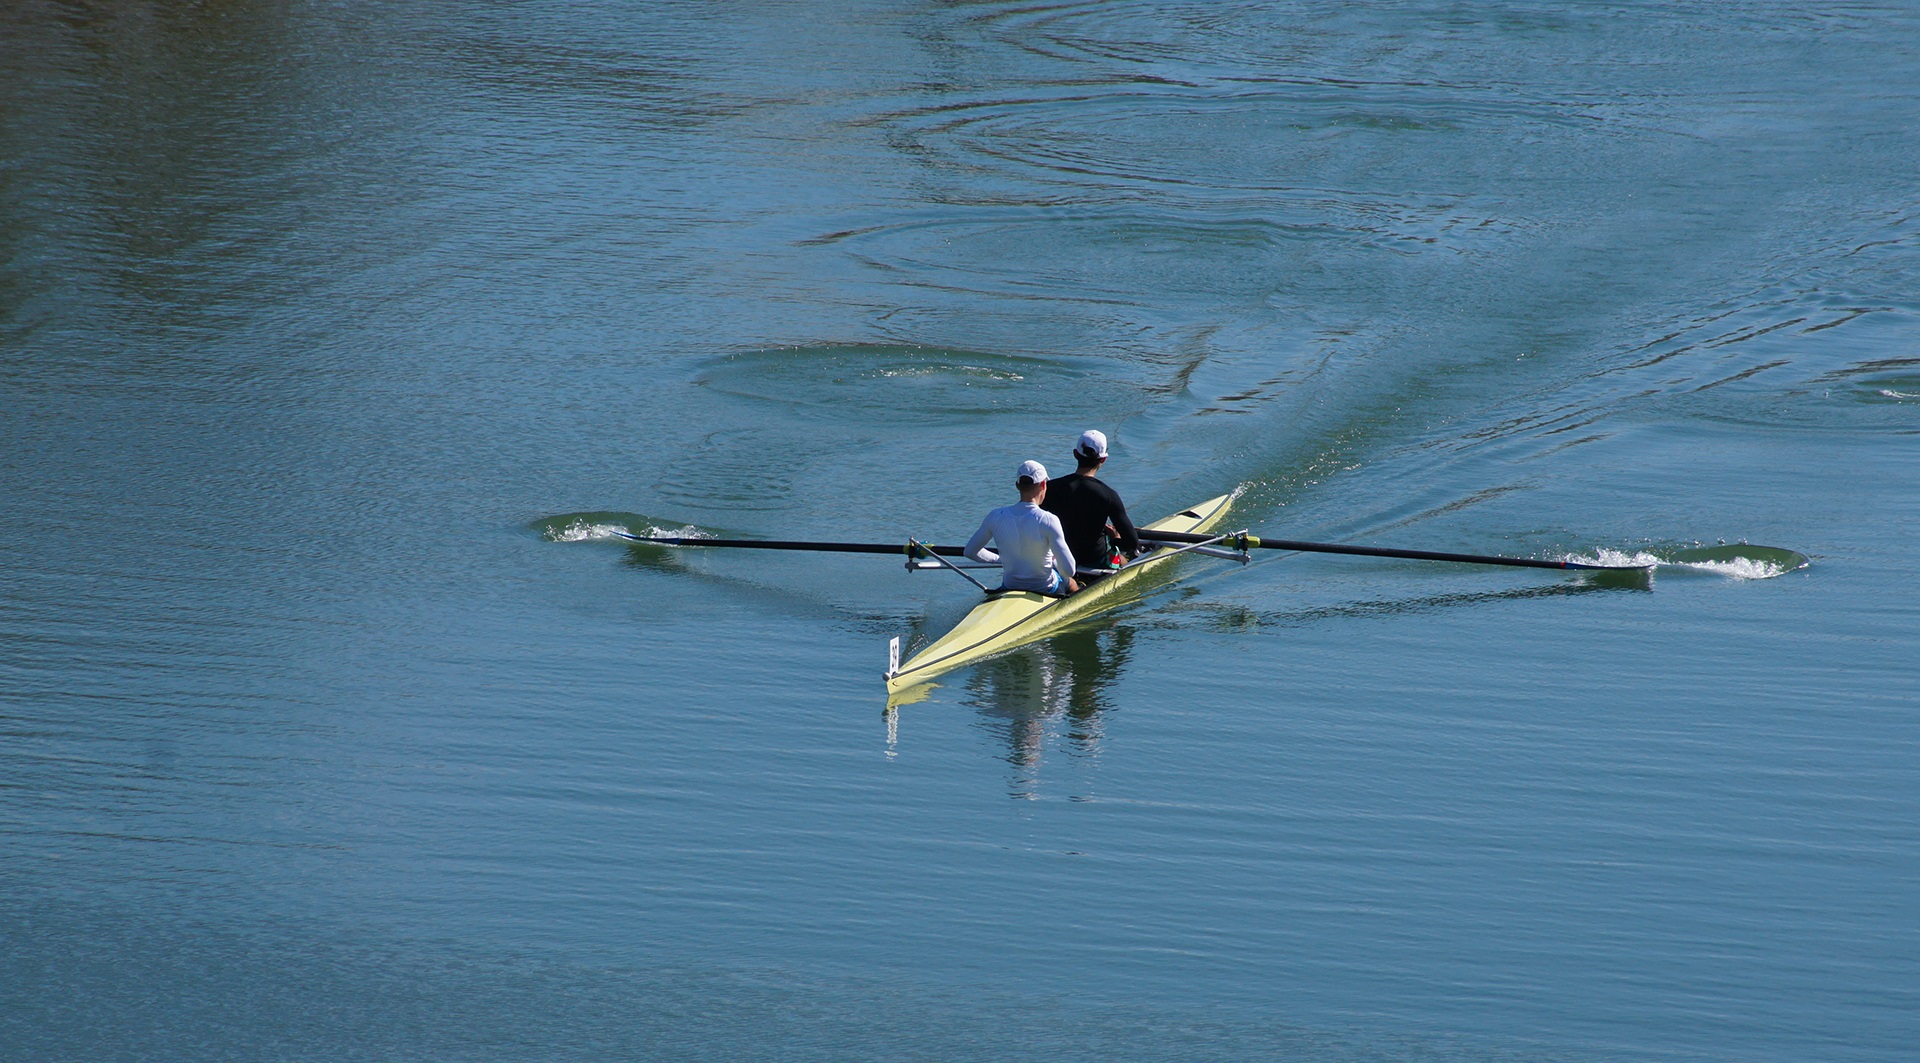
column 335, row 723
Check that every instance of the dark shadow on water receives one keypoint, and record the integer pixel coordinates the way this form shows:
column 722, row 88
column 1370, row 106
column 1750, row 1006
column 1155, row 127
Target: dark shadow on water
column 1053, row 696
column 658, row 559
column 1235, row 617
column 1618, row 579
column 1051, row 692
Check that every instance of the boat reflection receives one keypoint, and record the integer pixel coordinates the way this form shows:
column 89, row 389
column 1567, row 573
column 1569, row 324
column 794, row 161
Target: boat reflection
column 1052, row 692
column 1059, row 690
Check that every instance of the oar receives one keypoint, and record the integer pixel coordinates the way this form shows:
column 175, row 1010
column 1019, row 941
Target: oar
column 916, row 549
column 1250, row 542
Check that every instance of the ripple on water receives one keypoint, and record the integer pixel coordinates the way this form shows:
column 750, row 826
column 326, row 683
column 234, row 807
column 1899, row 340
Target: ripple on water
column 1235, row 139
column 1145, row 261
column 1874, row 395
column 858, row 382
column 1202, row 38
column 1877, row 381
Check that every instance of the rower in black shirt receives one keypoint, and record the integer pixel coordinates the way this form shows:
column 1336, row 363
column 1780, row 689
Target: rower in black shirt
column 1095, row 520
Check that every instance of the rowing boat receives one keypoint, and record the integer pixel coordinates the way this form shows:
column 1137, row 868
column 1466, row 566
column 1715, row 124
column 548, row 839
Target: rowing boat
column 1009, row 619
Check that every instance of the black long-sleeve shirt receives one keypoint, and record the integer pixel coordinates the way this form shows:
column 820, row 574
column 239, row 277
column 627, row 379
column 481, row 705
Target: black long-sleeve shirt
column 1085, row 507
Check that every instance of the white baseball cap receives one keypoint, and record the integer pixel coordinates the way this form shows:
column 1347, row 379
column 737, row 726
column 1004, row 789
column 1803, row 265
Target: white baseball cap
column 1032, row 471
column 1092, row 442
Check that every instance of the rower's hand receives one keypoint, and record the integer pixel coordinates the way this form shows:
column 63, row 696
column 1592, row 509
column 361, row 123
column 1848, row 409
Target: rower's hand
column 1073, row 585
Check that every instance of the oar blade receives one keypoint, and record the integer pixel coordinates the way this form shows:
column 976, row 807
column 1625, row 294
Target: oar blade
column 1740, row 560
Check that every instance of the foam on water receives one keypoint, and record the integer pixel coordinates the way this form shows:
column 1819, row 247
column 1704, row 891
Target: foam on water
column 982, row 372
column 588, row 529
column 1740, row 568
column 1732, row 566
column 581, row 531
column 1615, row 558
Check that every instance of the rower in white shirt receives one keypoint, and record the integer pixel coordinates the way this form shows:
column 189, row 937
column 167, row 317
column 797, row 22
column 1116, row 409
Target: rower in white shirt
column 1033, row 553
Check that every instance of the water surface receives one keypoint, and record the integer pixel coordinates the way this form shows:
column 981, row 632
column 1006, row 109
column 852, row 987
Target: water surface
column 337, row 338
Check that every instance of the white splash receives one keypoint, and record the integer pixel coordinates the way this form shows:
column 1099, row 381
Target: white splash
column 1901, row 395
column 1737, row 568
column 582, row 531
column 984, row 372
column 586, row 531
column 1617, row 559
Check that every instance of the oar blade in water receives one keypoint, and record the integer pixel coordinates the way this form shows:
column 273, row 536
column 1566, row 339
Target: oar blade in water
column 606, row 526
column 1740, row 560
column 615, row 527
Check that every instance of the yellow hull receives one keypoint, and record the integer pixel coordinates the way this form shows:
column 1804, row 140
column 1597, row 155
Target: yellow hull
column 1016, row 618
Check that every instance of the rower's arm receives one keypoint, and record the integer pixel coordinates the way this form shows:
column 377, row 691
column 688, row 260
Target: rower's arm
column 1129, row 537
column 977, row 546
column 1062, row 553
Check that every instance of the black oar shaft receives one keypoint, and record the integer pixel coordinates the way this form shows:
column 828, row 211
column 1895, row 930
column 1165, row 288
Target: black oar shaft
column 1375, row 551
column 920, row 549
column 1237, row 542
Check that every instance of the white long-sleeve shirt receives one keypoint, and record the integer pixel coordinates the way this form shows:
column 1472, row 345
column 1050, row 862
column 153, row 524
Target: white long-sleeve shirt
column 1030, row 541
